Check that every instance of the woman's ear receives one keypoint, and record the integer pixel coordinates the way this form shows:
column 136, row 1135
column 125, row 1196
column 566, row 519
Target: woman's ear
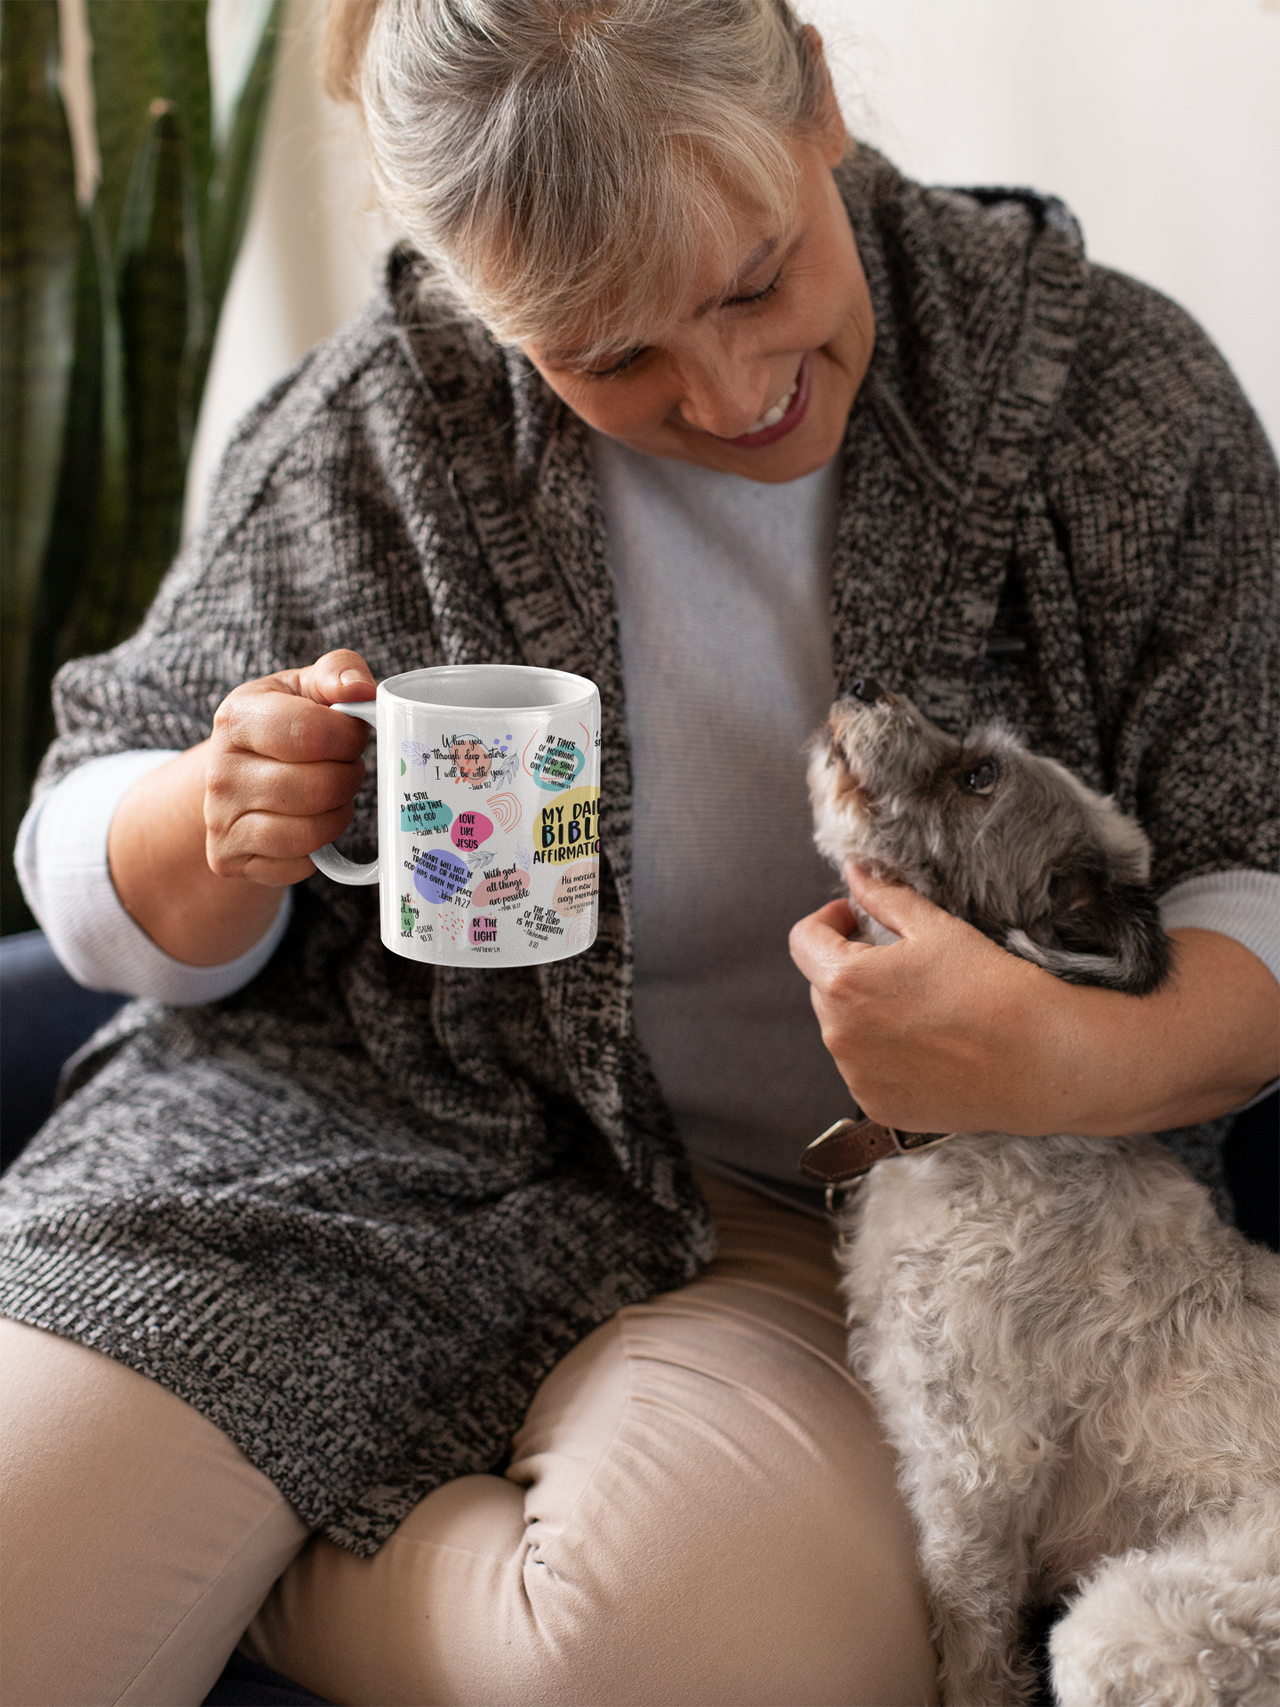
column 828, row 131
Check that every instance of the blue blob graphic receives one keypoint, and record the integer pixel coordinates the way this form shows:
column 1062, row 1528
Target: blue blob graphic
column 425, row 817
column 557, row 768
column 439, row 875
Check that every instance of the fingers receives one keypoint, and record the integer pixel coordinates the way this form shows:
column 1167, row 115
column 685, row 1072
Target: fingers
column 338, row 677
column 818, row 941
column 265, row 719
column 823, row 945
column 269, row 848
column 247, row 783
column 902, row 910
column 929, row 1031
column 286, row 716
column 283, row 769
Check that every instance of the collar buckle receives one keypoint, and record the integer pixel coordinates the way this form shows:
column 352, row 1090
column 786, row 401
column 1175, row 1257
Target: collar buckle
column 845, row 1153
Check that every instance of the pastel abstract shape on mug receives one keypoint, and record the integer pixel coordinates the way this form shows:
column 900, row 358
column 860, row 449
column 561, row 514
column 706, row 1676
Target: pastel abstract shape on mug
column 483, row 929
column 439, row 875
column 553, row 762
column 469, row 830
column 473, row 760
column 577, row 934
column 425, row 817
column 501, row 890
column 506, row 811
column 577, row 889
column 568, row 827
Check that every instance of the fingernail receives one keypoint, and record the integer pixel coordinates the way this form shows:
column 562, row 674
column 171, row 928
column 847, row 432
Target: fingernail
column 349, row 678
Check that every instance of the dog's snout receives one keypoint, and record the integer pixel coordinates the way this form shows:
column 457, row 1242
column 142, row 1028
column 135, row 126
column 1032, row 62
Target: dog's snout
column 869, row 691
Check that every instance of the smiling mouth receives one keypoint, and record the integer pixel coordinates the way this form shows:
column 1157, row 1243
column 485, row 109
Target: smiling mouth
column 784, row 416
column 771, row 417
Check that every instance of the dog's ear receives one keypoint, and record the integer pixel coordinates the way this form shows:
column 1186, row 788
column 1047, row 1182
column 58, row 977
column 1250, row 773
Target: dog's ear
column 1104, row 934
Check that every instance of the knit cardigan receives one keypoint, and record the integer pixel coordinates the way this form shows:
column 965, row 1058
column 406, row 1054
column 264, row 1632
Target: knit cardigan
column 356, row 1211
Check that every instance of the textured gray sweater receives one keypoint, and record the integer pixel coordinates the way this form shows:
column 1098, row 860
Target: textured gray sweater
column 354, row 1212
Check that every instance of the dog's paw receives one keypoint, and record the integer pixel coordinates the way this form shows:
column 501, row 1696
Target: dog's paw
column 1171, row 1628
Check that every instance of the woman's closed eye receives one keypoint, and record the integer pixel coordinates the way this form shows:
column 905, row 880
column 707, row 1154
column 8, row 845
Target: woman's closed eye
column 621, row 363
column 761, row 295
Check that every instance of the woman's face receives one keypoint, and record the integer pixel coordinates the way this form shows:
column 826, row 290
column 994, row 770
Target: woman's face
column 760, row 372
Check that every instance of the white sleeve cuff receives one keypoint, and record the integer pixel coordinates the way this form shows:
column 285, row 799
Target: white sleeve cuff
column 61, row 859
column 1244, row 905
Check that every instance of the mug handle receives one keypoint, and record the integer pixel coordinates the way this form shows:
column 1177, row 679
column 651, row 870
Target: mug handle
column 327, row 859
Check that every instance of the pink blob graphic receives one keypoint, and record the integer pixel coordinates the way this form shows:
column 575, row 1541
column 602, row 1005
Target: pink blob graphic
column 483, row 929
column 469, row 830
column 500, row 891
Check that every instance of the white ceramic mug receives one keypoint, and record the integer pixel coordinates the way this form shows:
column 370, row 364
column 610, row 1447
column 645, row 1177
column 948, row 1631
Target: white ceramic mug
column 488, row 814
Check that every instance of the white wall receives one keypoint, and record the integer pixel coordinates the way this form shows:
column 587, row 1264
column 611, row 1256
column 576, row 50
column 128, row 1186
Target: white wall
column 1158, row 121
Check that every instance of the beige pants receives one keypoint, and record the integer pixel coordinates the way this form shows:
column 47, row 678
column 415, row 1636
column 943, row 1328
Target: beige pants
column 699, row 1510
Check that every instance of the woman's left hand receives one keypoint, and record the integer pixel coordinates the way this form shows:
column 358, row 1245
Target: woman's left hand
column 946, row 1031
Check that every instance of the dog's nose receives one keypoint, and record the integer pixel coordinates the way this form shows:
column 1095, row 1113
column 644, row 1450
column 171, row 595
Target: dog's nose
column 869, row 691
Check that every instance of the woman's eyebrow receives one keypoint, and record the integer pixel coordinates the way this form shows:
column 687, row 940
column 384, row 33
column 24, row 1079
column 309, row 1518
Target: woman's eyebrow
column 761, row 252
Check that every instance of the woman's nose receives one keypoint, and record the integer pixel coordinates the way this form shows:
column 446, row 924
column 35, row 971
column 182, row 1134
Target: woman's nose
column 726, row 400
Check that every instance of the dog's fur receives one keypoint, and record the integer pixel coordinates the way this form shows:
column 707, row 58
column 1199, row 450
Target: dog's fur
column 1074, row 1358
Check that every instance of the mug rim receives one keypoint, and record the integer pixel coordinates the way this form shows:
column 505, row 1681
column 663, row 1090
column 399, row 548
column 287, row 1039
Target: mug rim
column 390, row 685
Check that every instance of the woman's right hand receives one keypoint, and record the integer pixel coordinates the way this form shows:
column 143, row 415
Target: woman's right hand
column 281, row 771
column 200, row 848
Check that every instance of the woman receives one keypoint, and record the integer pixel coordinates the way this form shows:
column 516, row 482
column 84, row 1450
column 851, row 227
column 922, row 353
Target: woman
column 414, row 1263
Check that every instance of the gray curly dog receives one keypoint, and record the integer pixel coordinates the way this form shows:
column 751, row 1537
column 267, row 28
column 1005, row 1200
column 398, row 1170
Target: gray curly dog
column 1074, row 1358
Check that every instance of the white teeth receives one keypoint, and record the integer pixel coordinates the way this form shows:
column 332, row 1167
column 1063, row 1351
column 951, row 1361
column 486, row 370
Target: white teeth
column 771, row 417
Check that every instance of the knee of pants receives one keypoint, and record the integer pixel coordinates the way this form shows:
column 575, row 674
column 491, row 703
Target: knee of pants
column 138, row 1540
column 699, row 1510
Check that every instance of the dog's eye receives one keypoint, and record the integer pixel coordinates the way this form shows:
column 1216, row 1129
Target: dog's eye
column 982, row 778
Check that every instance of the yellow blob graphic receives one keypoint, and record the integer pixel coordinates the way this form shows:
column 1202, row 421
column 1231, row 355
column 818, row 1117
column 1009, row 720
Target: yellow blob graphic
column 568, row 827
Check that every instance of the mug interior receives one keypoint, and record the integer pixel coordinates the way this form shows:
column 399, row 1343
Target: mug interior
column 489, row 687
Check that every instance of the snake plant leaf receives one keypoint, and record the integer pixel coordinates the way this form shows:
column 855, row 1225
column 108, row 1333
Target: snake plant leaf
column 108, row 326
column 127, row 77
column 39, row 239
column 80, row 583
column 161, row 314
column 182, row 34
column 72, row 524
column 240, row 142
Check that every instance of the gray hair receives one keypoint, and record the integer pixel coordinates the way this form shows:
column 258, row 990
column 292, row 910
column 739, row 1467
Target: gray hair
column 563, row 163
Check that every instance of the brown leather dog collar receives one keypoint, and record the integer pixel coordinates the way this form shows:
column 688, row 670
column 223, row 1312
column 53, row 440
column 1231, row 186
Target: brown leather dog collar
column 846, row 1152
